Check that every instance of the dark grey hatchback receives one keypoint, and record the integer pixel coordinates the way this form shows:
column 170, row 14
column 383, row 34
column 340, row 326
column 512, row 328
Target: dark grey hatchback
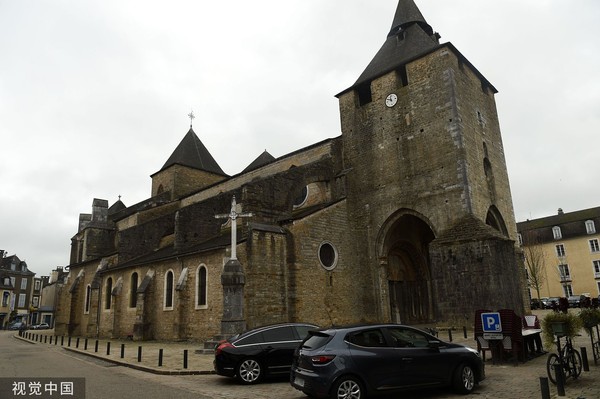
column 356, row 362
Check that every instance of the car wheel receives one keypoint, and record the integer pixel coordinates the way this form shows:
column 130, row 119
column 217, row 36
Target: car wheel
column 347, row 388
column 464, row 379
column 249, row 371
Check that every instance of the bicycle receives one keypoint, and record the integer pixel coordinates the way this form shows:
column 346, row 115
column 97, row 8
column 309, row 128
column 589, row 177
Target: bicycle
column 568, row 358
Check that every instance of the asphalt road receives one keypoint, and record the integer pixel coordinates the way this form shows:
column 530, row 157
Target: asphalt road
column 102, row 379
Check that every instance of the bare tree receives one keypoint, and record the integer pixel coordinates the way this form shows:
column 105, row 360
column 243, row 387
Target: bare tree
column 535, row 262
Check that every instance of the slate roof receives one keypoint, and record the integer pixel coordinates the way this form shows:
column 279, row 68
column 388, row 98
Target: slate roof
column 170, row 252
column 560, row 218
column 409, row 37
column 116, row 207
column 192, row 153
column 572, row 225
column 469, row 228
column 261, row 160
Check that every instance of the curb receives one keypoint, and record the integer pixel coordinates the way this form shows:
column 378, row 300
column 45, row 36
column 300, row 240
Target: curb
column 125, row 364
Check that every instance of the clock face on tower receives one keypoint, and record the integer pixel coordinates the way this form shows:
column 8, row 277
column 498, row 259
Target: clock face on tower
column 391, row 100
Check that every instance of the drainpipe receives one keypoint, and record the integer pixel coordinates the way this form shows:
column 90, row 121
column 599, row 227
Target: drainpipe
column 98, row 309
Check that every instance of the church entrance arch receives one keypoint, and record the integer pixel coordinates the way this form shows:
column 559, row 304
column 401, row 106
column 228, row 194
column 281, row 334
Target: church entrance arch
column 404, row 245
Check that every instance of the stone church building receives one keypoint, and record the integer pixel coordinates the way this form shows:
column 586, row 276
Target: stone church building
column 405, row 217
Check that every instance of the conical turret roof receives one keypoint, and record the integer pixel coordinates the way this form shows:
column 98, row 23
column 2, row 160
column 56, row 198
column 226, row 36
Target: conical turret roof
column 192, row 153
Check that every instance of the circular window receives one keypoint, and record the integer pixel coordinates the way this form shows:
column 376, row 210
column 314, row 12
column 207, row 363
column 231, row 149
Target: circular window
column 328, row 255
column 301, row 198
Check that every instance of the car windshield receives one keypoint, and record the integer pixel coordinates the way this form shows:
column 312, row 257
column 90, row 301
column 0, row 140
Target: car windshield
column 316, row 340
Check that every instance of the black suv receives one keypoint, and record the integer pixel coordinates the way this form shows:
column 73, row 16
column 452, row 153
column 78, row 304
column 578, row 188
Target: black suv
column 356, row 362
column 260, row 352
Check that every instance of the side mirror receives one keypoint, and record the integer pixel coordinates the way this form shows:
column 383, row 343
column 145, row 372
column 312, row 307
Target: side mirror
column 434, row 344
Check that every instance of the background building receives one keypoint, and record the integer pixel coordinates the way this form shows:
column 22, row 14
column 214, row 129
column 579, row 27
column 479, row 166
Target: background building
column 566, row 249
column 20, row 288
column 50, row 285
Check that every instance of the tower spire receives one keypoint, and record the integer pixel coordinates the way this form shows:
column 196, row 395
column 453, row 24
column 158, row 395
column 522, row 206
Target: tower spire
column 408, row 13
column 409, row 37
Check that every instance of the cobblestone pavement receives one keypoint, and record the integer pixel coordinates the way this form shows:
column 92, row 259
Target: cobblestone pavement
column 504, row 380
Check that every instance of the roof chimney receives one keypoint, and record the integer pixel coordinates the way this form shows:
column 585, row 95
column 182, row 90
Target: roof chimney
column 560, row 211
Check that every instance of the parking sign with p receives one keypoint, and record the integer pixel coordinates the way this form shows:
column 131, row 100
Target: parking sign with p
column 491, row 322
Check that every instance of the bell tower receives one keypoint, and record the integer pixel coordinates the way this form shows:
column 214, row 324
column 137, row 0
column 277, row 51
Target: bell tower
column 428, row 186
column 189, row 168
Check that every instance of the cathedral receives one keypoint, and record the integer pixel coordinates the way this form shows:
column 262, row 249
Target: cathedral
column 405, row 217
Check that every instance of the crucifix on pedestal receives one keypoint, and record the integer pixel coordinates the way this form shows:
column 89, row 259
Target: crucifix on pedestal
column 233, row 215
column 233, row 280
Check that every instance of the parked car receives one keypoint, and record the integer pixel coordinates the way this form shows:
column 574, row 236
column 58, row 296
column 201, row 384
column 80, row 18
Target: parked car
column 18, row 325
column 363, row 360
column 535, row 303
column 42, row 326
column 260, row 352
column 547, row 302
column 574, row 301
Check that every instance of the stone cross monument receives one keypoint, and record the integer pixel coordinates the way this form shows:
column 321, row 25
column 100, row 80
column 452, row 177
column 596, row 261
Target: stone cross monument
column 233, row 280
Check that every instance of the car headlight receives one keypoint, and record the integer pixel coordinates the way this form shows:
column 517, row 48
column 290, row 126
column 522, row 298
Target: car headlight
column 472, row 350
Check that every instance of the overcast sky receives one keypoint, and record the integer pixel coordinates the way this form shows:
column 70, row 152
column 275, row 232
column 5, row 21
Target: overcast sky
column 94, row 95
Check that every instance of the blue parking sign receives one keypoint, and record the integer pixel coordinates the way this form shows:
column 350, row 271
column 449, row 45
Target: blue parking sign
column 491, row 322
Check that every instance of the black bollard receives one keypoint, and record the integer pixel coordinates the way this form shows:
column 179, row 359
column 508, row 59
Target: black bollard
column 139, row 354
column 77, row 343
column 46, row 339
column 160, row 357
column 51, row 340
column 69, row 342
column 544, row 387
column 185, row 358
column 107, row 348
column 96, row 347
column 449, row 335
column 560, row 379
column 62, row 340
column 122, row 351
column 85, row 344
column 465, row 332
column 584, row 359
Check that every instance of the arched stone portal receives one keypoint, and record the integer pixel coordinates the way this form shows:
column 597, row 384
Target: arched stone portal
column 405, row 243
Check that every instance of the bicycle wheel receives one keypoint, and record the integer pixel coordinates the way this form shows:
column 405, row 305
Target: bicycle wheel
column 574, row 363
column 550, row 363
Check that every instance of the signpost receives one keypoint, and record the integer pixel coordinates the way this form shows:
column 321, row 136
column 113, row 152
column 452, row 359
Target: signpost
column 492, row 327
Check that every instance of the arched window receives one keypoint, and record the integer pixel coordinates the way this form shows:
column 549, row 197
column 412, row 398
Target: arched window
column 201, row 288
column 88, row 294
column 108, row 294
column 169, row 290
column 133, row 284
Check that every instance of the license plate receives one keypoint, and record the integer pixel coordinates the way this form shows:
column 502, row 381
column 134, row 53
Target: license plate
column 299, row 381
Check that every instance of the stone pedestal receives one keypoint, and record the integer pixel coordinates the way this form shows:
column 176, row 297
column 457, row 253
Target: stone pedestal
column 233, row 281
